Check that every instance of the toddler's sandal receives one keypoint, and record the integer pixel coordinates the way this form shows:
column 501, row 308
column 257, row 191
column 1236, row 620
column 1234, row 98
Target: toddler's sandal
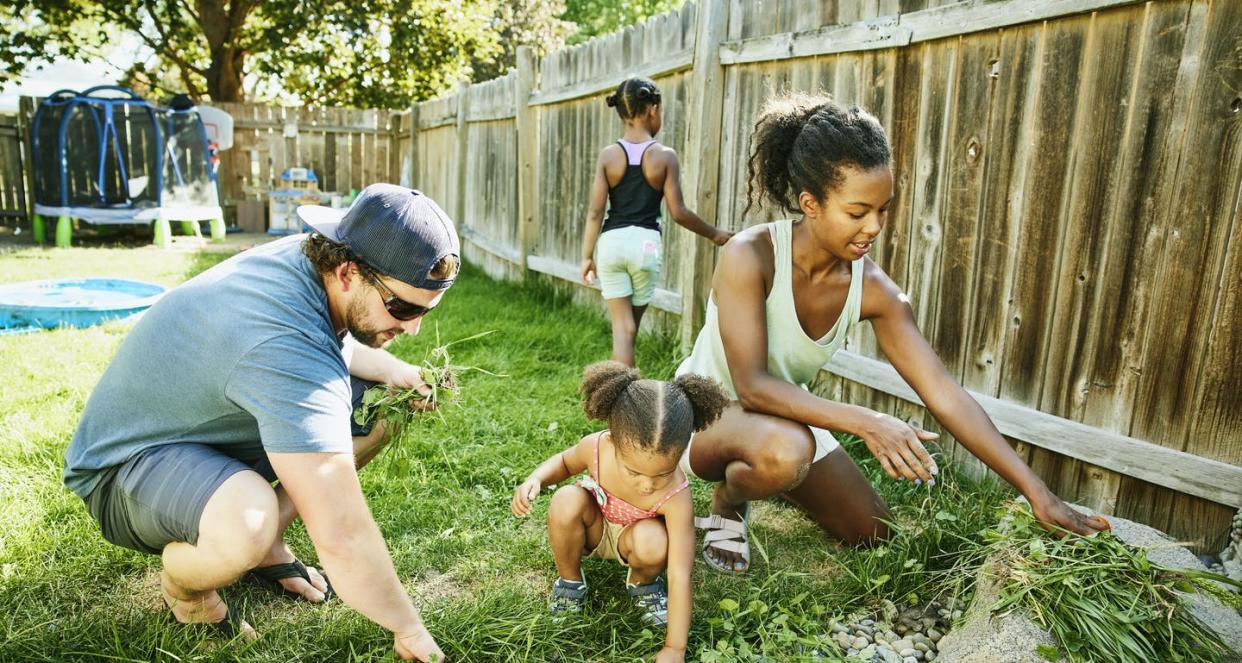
column 652, row 599
column 568, row 596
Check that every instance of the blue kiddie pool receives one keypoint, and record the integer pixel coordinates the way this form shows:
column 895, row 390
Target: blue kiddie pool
column 33, row 305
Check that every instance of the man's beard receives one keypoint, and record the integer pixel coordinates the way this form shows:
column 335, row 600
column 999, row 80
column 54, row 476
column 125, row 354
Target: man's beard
column 368, row 336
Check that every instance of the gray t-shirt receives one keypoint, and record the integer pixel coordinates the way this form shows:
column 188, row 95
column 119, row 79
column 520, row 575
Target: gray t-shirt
column 242, row 357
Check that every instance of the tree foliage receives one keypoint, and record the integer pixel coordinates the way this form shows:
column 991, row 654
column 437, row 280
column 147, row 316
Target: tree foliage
column 367, row 53
column 360, row 53
column 599, row 17
column 534, row 23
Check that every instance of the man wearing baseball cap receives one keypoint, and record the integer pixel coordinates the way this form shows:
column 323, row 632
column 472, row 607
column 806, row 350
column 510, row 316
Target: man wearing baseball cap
column 246, row 375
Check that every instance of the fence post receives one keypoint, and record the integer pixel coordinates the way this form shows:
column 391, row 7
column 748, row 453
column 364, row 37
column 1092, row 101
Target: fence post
column 414, row 146
column 527, row 155
column 702, row 161
column 463, row 150
column 25, row 119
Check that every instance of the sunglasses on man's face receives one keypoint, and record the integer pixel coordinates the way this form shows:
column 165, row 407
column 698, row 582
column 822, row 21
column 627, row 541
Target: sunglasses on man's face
column 396, row 307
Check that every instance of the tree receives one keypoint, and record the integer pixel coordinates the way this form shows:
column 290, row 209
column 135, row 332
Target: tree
column 534, row 23
column 599, row 17
column 369, row 53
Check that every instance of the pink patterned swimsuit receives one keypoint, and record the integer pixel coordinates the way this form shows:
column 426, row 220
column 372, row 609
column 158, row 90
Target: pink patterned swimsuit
column 615, row 509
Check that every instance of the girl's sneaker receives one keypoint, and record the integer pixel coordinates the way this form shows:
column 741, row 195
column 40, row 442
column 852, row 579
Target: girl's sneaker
column 652, row 599
column 568, row 596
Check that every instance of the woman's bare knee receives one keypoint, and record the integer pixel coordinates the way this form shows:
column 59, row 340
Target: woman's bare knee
column 784, row 453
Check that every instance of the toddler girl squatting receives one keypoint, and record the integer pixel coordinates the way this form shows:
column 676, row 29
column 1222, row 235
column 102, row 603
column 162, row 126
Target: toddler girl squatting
column 633, row 505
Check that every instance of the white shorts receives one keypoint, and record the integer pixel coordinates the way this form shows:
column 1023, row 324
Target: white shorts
column 825, row 444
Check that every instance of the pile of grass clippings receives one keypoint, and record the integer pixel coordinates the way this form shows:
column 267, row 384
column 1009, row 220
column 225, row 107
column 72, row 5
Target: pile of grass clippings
column 397, row 406
column 1102, row 599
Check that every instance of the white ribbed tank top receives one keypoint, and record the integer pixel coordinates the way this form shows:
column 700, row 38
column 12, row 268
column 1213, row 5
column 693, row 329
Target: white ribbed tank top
column 792, row 355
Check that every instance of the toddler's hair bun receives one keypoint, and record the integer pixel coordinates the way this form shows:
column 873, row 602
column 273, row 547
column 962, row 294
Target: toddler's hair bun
column 602, row 386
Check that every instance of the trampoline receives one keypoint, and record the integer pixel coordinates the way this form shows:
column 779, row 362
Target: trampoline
column 34, row 305
column 107, row 156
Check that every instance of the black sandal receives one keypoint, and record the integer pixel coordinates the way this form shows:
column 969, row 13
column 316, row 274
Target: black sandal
column 270, row 577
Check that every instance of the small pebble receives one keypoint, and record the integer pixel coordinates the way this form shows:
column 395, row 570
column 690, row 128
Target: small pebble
column 867, row 622
column 943, row 612
column 957, row 614
column 902, row 645
column 903, row 629
column 919, row 637
column 859, row 643
column 934, row 635
column 906, row 652
column 928, row 622
column 909, row 659
column 930, row 656
column 922, row 647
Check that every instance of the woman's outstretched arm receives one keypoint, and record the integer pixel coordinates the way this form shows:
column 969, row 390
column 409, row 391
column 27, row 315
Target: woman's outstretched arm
column 909, row 352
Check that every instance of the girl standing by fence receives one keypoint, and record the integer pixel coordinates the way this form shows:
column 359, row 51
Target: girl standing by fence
column 633, row 505
column 633, row 175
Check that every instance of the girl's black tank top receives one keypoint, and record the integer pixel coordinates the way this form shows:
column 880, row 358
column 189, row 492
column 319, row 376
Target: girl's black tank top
column 633, row 201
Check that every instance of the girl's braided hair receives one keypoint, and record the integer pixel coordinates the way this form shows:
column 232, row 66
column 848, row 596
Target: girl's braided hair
column 804, row 143
column 633, row 96
column 650, row 414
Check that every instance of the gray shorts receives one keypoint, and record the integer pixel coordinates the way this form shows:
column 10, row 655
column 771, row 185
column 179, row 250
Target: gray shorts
column 158, row 496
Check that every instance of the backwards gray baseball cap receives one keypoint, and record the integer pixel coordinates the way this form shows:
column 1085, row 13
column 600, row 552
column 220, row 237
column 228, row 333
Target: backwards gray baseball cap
column 398, row 231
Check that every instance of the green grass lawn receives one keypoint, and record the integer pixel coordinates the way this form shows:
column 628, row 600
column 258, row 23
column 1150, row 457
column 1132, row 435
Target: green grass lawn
column 440, row 494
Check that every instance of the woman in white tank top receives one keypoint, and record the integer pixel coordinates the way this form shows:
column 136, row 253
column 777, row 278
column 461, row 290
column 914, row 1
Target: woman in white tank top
column 784, row 298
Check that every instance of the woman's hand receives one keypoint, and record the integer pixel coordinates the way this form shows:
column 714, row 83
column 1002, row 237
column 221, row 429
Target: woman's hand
column 588, row 270
column 899, row 447
column 722, row 236
column 1052, row 512
column 670, row 655
column 417, row 645
column 523, row 495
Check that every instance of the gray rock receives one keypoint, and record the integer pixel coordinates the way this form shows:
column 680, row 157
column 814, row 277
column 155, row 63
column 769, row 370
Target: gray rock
column 934, row 635
column 930, row 656
column 909, row 659
column 859, row 643
column 890, row 656
column 922, row 647
column 909, row 651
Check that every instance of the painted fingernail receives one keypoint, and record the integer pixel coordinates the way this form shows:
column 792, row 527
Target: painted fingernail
column 935, row 470
column 901, row 478
column 918, row 482
column 931, row 482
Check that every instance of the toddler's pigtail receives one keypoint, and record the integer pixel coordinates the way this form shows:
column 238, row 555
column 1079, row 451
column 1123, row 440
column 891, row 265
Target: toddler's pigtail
column 603, row 383
column 707, row 399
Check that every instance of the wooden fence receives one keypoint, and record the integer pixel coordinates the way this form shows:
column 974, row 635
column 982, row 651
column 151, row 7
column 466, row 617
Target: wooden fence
column 1066, row 222
column 348, row 148
column 12, row 179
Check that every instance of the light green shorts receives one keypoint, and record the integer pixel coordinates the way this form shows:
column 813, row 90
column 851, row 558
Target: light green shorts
column 628, row 261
